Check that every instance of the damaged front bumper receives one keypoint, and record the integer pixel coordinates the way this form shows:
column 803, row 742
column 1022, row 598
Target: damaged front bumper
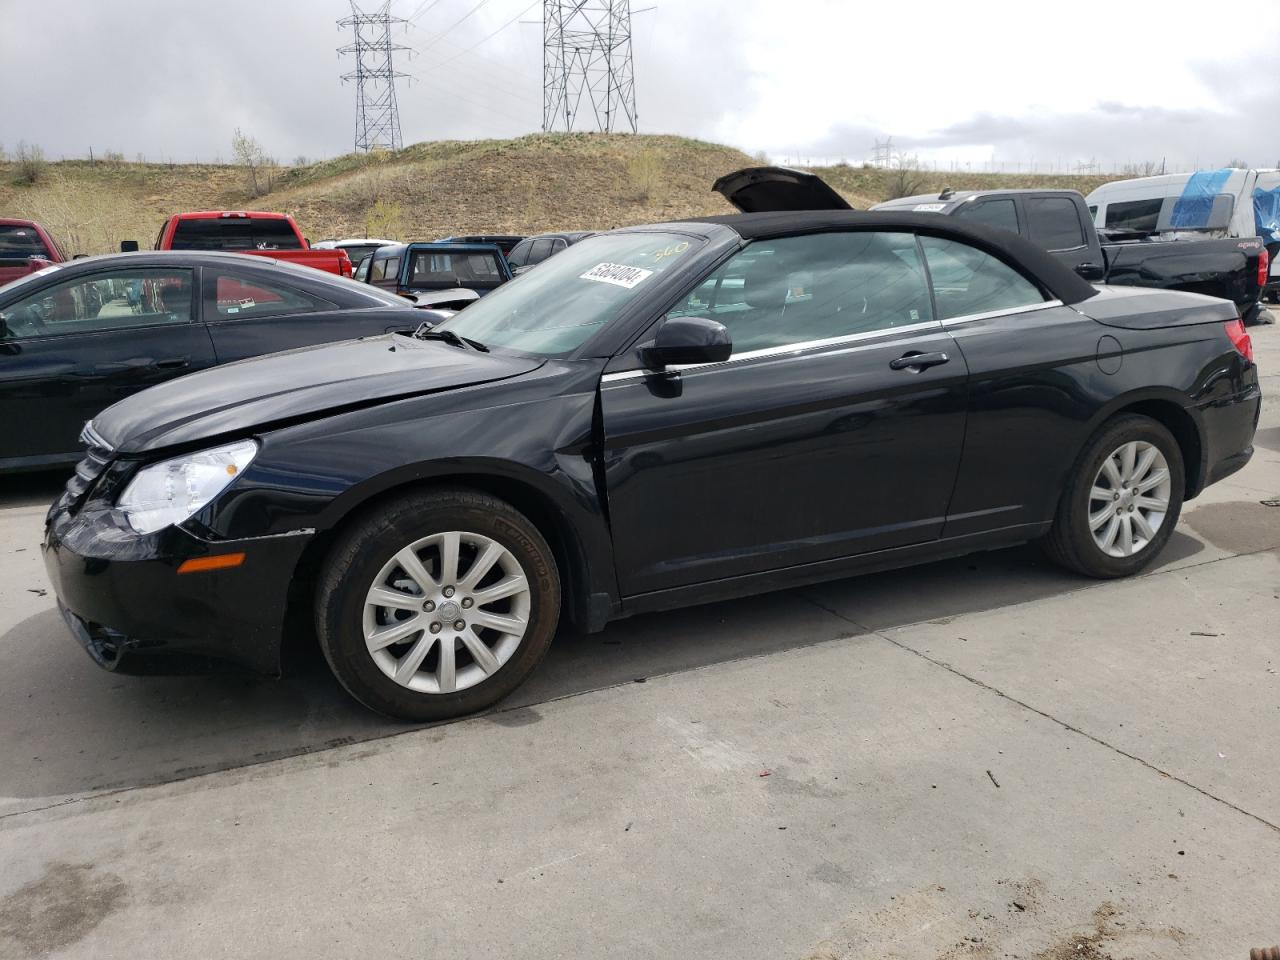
column 128, row 597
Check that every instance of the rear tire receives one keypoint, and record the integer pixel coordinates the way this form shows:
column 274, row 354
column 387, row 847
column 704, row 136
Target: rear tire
column 1103, row 528
column 437, row 604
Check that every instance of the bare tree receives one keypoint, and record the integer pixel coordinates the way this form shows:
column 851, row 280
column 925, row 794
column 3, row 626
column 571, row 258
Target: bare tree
column 1145, row 168
column 905, row 179
column 31, row 162
column 1238, row 163
column 248, row 153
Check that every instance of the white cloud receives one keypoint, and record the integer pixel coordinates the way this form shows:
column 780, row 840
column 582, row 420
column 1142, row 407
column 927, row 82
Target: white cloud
column 966, row 82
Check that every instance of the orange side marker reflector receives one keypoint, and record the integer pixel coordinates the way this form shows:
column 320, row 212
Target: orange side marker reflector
column 219, row 561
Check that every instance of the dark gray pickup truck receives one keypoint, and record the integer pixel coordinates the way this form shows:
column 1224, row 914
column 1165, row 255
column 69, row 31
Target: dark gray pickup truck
column 1231, row 268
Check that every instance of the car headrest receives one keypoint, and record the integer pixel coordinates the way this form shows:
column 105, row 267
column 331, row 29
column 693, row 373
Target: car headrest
column 765, row 289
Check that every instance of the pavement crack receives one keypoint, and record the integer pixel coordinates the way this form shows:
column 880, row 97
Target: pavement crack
column 1042, row 713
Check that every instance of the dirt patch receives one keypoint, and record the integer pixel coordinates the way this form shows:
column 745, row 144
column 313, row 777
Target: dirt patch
column 1015, row 918
column 1239, row 526
column 1109, row 939
column 59, row 908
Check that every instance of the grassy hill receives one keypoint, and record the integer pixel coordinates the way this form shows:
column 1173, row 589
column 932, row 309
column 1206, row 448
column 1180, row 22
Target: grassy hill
column 531, row 184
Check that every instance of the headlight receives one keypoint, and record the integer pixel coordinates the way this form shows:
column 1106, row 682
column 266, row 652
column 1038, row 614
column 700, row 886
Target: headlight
column 169, row 492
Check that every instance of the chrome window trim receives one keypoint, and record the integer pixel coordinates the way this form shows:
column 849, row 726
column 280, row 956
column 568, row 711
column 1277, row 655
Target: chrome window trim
column 778, row 351
column 971, row 317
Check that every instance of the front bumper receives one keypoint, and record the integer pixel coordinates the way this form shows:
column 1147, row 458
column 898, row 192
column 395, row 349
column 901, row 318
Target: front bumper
column 124, row 600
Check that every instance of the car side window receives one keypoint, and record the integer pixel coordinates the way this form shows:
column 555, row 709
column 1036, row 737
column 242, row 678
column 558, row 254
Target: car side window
column 993, row 213
column 1140, row 215
column 967, row 280
column 519, row 254
column 557, row 245
column 244, row 296
column 540, row 251
column 1054, row 223
column 799, row 289
column 117, row 300
column 362, row 271
column 385, row 271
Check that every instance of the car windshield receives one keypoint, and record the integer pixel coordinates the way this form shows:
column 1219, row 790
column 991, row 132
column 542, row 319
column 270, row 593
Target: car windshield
column 444, row 268
column 19, row 243
column 555, row 308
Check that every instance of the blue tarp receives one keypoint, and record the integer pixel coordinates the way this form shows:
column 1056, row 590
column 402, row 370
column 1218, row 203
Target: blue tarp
column 1191, row 210
column 1266, row 213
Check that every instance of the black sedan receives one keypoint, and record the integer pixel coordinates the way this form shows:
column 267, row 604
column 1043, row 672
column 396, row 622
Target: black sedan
column 655, row 417
column 79, row 336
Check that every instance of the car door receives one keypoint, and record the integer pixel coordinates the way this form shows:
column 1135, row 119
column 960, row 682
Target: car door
column 1030, row 362
column 817, row 439
column 74, row 346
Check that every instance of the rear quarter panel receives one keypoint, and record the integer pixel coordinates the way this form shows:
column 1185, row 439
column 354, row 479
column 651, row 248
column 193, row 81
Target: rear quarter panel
column 1043, row 383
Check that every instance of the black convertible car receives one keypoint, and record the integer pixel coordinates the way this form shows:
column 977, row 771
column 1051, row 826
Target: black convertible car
column 656, row 416
column 79, row 336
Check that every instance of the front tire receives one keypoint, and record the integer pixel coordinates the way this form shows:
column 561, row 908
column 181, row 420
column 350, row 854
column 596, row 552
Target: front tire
column 437, row 604
column 1122, row 500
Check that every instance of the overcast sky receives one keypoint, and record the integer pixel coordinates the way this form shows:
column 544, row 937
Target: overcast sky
column 977, row 82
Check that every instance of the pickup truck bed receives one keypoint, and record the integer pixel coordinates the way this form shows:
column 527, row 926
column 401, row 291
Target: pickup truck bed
column 1226, row 267
column 273, row 235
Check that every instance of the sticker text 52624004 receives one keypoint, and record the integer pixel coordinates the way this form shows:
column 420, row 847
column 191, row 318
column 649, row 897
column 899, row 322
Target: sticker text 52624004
column 618, row 274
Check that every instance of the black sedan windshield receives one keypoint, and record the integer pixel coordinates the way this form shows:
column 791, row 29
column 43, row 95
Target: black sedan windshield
column 555, row 307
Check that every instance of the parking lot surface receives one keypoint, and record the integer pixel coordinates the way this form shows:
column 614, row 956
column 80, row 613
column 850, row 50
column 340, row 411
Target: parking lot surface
column 985, row 757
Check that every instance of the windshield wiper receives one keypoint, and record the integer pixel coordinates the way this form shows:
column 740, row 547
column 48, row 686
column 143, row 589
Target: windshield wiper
column 451, row 338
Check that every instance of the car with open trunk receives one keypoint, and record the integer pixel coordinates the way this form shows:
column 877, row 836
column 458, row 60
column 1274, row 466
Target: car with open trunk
column 655, row 417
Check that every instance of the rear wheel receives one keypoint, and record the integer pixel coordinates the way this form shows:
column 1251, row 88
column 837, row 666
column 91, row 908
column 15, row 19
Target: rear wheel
column 1122, row 500
column 437, row 604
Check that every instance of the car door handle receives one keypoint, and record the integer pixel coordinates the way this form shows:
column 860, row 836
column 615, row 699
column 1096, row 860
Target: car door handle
column 918, row 361
column 173, row 363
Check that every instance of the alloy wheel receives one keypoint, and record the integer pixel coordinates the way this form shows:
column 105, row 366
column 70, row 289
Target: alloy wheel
column 446, row 612
column 1129, row 498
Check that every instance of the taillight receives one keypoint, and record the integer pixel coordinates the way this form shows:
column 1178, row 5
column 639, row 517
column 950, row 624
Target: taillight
column 1264, row 267
column 1240, row 338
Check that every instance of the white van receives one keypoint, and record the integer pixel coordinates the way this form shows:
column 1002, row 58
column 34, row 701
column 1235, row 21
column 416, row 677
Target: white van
column 1219, row 203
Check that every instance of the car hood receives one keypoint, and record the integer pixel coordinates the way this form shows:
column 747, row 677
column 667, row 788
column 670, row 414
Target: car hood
column 293, row 385
column 770, row 189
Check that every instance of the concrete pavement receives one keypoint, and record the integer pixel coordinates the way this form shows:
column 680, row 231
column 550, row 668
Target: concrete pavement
column 979, row 758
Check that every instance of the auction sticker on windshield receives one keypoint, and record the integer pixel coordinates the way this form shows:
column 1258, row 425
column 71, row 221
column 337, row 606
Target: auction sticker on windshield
column 618, row 274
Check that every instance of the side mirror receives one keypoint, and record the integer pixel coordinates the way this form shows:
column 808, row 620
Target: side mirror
column 1091, row 271
column 128, row 246
column 683, row 340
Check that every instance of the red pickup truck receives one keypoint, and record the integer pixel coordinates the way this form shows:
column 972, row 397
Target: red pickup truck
column 273, row 235
column 25, row 247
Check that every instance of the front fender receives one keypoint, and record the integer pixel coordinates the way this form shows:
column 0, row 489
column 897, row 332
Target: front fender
column 528, row 437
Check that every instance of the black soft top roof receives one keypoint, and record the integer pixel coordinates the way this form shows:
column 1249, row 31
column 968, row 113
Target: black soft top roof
column 1062, row 282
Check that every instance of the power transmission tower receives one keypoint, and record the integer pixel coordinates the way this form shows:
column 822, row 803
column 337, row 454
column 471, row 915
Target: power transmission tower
column 586, row 64
column 883, row 156
column 377, row 114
